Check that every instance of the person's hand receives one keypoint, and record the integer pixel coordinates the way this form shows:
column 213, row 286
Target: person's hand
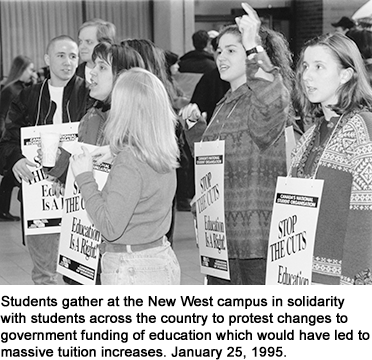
column 81, row 163
column 58, row 188
column 40, row 155
column 21, row 171
column 102, row 154
column 191, row 114
column 249, row 26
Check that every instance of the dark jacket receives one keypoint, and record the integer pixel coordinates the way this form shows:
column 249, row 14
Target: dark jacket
column 8, row 93
column 90, row 132
column 209, row 91
column 33, row 107
column 80, row 71
column 196, row 61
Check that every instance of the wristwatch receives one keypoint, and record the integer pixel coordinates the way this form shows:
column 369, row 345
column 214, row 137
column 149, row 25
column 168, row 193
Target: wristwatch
column 251, row 53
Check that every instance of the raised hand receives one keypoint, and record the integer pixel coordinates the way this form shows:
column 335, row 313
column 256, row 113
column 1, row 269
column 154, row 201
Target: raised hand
column 191, row 114
column 249, row 26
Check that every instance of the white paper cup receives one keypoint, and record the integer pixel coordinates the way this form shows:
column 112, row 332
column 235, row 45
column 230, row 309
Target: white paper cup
column 49, row 147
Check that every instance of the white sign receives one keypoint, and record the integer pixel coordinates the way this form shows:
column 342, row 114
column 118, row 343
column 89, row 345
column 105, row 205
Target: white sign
column 292, row 232
column 42, row 211
column 78, row 245
column 210, row 208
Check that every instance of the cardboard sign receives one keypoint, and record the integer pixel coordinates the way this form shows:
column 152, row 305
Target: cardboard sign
column 292, row 232
column 42, row 211
column 210, row 208
column 78, row 245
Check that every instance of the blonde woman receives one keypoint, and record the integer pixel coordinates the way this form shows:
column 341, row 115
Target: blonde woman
column 133, row 210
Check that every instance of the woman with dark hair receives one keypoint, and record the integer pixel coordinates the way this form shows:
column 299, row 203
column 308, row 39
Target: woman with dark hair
column 251, row 118
column 109, row 61
column 333, row 88
column 154, row 60
column 20, row 75
column 185, row 189
column 171, row 63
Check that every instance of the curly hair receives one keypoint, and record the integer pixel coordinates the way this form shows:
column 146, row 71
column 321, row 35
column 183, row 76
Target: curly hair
column 276, row 47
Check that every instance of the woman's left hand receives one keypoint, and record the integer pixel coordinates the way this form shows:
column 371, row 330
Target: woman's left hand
column 249, row 26
column 81, row 163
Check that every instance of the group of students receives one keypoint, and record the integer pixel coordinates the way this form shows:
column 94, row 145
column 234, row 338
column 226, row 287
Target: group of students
column 133, row 121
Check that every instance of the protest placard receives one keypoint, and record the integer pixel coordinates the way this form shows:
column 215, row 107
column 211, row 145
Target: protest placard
column 210, row 209
column 42, row 211
column 78, row 246
column 292, row 231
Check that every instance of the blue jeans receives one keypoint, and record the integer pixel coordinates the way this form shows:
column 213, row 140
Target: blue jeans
column 43, row 250
column 156, row 266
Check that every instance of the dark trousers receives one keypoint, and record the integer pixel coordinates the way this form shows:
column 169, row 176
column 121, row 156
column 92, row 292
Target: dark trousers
column 185, row 173
column 8, row 182
column 243, row 272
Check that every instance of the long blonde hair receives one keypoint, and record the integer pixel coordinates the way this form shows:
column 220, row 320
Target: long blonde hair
column 142, row 119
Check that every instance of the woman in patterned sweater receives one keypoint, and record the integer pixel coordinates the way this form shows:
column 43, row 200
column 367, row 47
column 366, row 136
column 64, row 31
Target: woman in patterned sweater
column 333, row 87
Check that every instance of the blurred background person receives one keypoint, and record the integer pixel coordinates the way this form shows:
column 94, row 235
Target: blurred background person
column 363, row 39
column 90, row 34
column 195, row 63
column 343, row 25
column 185, row 182
column 199, row 60
column 210, row 89
column 22, row 74
column 155, row 61
column 171, row 61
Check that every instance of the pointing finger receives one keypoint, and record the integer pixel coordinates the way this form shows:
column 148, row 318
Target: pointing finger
column 250, row 11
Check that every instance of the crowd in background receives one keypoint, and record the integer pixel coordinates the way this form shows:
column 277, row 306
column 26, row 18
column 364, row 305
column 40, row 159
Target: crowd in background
column 145, row 107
